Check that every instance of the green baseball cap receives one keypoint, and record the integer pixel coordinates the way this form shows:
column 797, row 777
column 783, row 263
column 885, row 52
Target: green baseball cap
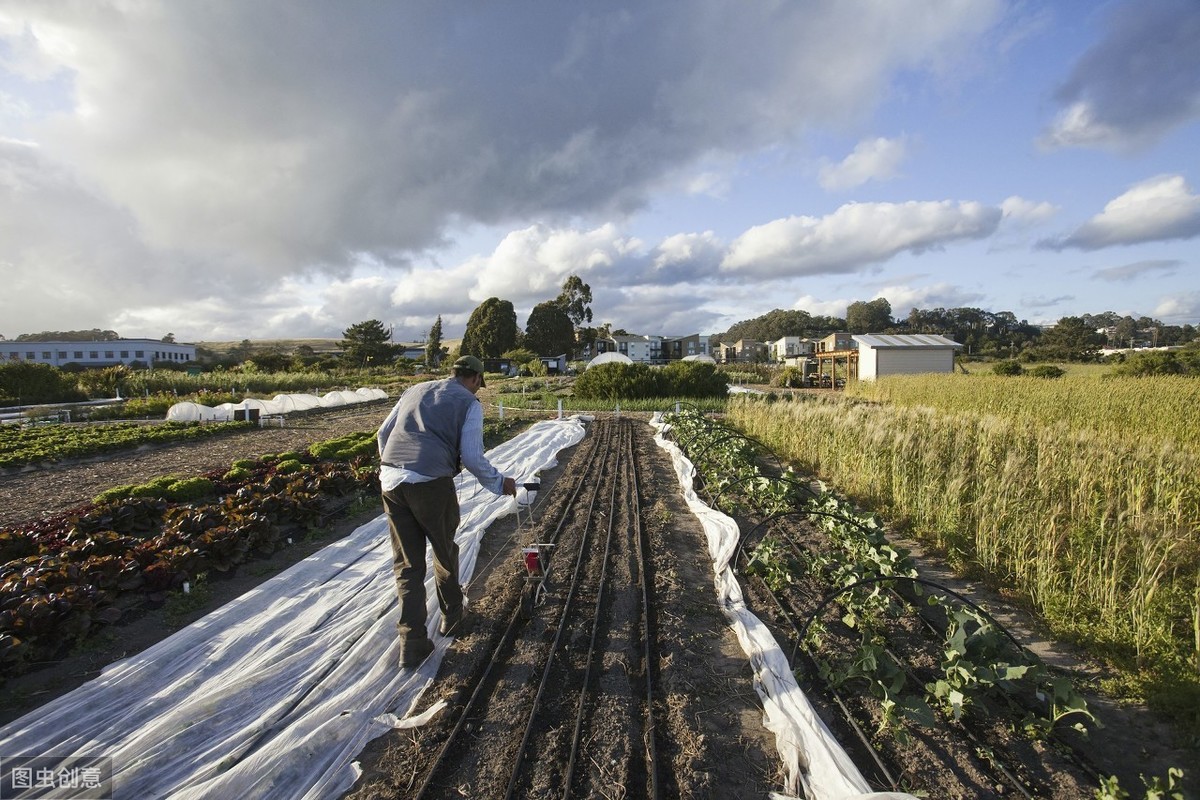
column 470, row 363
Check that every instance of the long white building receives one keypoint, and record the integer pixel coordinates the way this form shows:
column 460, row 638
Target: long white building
column 97, row 354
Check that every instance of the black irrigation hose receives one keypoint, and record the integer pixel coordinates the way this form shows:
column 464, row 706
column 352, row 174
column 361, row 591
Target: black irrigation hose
column 535, row 706
column 648, row 635
column 502, row 643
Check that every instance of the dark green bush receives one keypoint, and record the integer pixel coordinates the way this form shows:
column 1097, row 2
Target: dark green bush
column 1046, row 371
column 692, row 379
column 26, row 383
column 618, row 381
column 1161, row 362
column 789, row 378
column 642, row 382
column 1007, row 368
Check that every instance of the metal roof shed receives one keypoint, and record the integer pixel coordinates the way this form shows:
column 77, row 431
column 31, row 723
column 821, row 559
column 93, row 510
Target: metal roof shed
column 880, row 354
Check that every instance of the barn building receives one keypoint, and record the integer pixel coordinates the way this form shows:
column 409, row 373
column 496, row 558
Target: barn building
column 880, row 355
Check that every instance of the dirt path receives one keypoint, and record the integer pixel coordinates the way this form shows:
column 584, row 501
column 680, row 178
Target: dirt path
column 704, row 724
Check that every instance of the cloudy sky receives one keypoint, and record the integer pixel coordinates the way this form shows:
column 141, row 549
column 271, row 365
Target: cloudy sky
column 223, row 169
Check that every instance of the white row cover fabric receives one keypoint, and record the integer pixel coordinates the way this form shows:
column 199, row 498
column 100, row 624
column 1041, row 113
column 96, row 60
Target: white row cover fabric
column 612, row 357
column 280, row 404
column 814, row 760
column 274, row 694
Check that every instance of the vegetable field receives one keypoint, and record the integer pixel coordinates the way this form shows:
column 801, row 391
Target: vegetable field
column 1097, row 529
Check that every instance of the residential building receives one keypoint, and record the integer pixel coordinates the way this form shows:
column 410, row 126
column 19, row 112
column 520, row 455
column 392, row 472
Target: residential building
column 790, row 347
column 636, row 348
column 98, row 353
column 677, row 347
column 835, row 342
column 743, row 350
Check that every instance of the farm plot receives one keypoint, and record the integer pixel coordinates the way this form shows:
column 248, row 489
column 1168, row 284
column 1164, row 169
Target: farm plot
column 624, row 680
column 928, row 692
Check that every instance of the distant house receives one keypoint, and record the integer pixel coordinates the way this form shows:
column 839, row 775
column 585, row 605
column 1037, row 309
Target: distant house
column 744, row 351
column 98, row 354
column 880, row 355
column 790, row 347
column 636, row 348
column 503, row 366
column 675, row 348
column 411, row 350
column 555, row 365
column 836, row 342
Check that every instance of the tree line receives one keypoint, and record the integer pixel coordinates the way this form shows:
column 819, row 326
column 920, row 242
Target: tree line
column 997, row 334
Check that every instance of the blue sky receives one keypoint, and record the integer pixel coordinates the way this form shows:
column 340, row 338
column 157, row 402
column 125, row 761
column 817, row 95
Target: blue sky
column 227, row 170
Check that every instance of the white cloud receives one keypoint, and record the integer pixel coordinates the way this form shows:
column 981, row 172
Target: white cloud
column 1179, row 309
column 872, row 159
column 1022, row 212
column 1157, row 209
column 530, row 265
column 904, row 299
column 1138, row 269
column 1141, row 81
column 823, row 308
column 854, row 236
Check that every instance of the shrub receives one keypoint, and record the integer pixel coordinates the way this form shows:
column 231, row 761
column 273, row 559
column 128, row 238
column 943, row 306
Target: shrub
column 618, row 381
column 237, row 474
column 288, row 466
column 1007, row 368
column 789, row 378
column 1161, row 362
column 692, row 379
column 1047, row 371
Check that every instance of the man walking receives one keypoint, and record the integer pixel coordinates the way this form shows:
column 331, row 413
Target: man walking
column 434, row 430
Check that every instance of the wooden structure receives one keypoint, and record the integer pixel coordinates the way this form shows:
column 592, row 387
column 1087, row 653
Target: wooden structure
column 842, row 366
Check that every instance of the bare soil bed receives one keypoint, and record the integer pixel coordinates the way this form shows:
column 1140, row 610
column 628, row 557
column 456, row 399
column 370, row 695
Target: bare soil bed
column 706, row 728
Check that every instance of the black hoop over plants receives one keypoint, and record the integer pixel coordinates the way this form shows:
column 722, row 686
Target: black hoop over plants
column 808, row 512
column 829, row 598
column 716, row 498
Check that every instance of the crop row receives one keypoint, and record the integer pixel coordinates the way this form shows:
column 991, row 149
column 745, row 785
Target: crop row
column 24, row 445
column 63, row 575
column 977, row 669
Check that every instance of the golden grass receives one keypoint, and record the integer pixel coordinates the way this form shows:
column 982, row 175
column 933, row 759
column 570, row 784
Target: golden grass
column 1098, row 529
column 1160, row 408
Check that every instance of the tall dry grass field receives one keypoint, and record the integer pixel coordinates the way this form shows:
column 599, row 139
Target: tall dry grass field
column 1095, row 521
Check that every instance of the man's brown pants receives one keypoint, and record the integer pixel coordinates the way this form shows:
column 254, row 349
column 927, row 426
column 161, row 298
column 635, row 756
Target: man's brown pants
column 420, row 512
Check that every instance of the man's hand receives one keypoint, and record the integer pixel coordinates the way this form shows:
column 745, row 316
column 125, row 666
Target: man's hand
column 510, row 487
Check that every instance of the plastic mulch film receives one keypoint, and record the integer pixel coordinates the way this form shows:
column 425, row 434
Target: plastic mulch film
column 814, row 761
column 275, row 694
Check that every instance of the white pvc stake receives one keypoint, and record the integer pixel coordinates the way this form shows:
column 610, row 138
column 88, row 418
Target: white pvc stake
column 560, row 408
column 501, row 409
column 187, row 588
